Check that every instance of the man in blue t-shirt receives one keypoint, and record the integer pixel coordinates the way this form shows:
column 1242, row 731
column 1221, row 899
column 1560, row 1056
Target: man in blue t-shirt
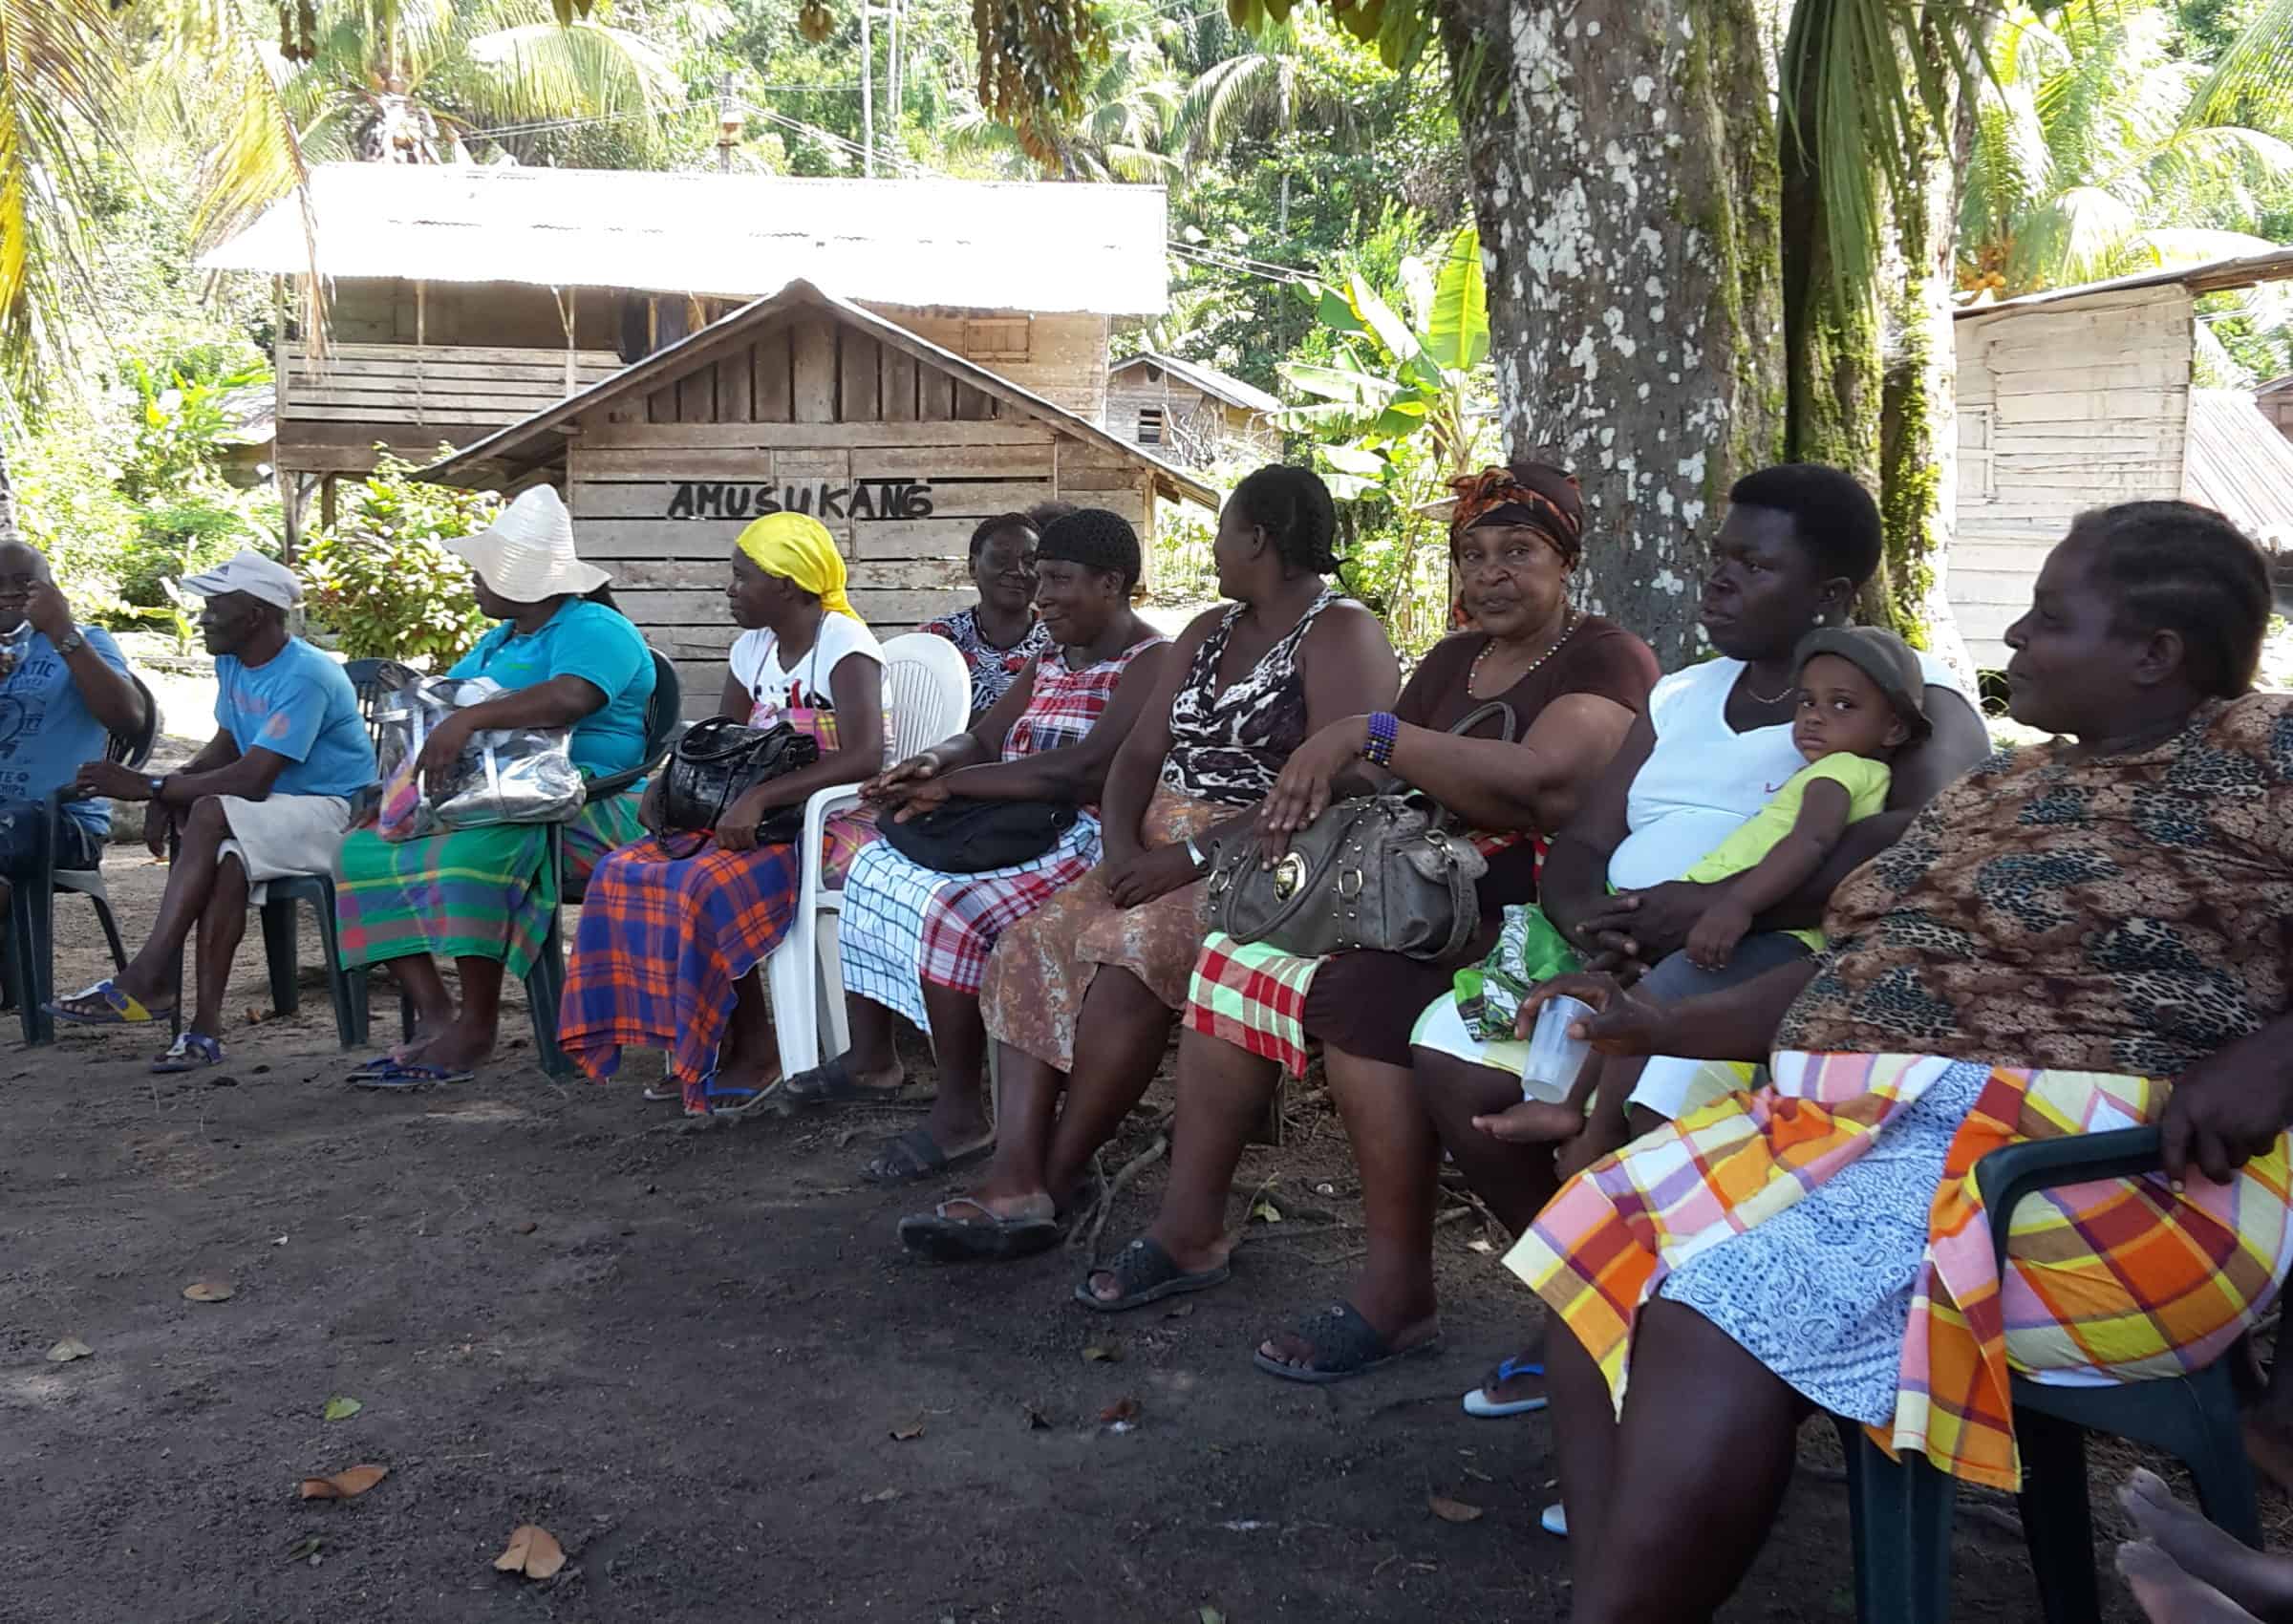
column 269, row 795
column 63, row 687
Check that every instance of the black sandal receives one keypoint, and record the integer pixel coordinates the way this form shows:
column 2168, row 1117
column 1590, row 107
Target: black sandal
column 914, row 1156
column 831, row 1084
column 1147, row 1275
column 1345, row 1345
column 988, row 1238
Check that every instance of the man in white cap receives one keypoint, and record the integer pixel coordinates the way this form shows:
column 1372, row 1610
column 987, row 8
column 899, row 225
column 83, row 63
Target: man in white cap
column 269, row 795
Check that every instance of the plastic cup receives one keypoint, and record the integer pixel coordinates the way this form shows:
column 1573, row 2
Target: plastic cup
column 1554, row 1057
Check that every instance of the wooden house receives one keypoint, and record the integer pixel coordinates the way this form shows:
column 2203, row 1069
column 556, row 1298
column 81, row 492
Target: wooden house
column 1189, row 413
column 2276, row 402
column 804, row 402
column 464, row 299
column 2074, row 400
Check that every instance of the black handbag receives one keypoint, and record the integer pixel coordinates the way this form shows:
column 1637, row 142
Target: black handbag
column 968, row 836
column 717, row 761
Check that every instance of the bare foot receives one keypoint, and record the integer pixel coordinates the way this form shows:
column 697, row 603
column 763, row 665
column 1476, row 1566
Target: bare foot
column 459, row 1047
column 2169, row 1595
column 2259, row 1583
column 1532, row 1121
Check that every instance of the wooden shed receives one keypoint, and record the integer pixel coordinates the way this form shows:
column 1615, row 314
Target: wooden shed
column 466, row 298
column 2075, row 400
column 804, row 402
column 2275, row 398
column 1187, row 412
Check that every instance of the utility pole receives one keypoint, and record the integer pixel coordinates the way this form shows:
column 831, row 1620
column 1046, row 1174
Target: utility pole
column 899, row 83
column 728, row 124
column 868, row 97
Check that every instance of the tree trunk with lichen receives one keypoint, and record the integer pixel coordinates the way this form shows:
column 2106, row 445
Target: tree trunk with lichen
column 1624, row 173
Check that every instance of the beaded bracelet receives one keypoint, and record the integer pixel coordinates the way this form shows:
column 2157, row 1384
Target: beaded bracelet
column 1384, row 729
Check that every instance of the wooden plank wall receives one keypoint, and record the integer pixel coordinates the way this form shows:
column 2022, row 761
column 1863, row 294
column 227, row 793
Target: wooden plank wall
column 414, row 398
column 1065, row 362
column 911, row 459
column 381, row 311
column 1190, row 418
column 2062, row 407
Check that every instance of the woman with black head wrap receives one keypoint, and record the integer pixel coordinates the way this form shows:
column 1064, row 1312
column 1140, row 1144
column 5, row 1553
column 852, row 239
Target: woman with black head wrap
column 1082, row 994
column 914, row 941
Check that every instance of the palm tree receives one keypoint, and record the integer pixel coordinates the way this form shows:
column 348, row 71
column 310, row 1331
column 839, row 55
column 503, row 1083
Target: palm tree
column 2092, row 158
column 401, row 81
column 1120, row 128
column 1262, row 92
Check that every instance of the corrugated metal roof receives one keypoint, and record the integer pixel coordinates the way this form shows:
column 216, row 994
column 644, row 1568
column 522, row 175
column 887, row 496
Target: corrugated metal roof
column 1048, row 247
column 2214, row 276
column 541, row 437
column 1209, row 379
column 2240, row 464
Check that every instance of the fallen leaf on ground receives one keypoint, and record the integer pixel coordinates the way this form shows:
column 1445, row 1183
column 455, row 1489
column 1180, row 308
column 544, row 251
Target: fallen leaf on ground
column 908, row 1434
column 1477, row 1243
column 1123, row 1409
column 1181, row 1312
column 256, row 1016
column 527, row 1227
column 1267, row 1212
column 1208, row 1614
column 1453, row 1510
column 305, row 1549
column 210, row 1291
column 1477, row 1477
column 1034, row 1418
column 531, row 1551
column 344, row 1486
column 69, row 1349
column 880, row 1497
column 1103, row 1353
column 278, row 1240
column 340, row 1408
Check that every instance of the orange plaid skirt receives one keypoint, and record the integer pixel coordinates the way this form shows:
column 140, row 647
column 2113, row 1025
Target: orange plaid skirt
column 2118, row 1279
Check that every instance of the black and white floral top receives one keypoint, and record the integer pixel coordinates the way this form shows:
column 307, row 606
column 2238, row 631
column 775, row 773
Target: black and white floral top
column 1230, row 747
column 993, row 669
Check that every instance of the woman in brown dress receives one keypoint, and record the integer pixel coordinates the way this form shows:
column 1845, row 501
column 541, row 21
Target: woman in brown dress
column 1574, row 683
column 1079, row 996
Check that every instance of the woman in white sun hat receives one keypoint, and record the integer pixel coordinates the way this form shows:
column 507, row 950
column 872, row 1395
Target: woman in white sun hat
column 484, row 897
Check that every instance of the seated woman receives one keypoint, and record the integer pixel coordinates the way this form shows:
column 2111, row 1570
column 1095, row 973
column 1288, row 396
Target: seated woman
column 1796, row 544
column 484, row 897
column 2080, row 934
column 1081, row 993
column 674, row 927
column 916, row 941
column 1001, row 634
column 1574, row 682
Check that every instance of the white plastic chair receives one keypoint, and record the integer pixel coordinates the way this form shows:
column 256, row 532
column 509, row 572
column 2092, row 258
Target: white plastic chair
column 928, row 692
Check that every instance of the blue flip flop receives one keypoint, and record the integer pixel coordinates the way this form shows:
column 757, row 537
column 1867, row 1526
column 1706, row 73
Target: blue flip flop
column 190, row 1052
column 406, row 1075
column 1477, row 1403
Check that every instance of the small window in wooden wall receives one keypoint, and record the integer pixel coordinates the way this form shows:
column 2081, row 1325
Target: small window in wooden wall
column 1000, row 340
column 1977, row 452
column 1151, row 425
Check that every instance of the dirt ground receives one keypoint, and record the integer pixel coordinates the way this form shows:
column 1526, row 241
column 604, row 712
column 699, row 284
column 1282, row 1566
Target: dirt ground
column 704, row 1362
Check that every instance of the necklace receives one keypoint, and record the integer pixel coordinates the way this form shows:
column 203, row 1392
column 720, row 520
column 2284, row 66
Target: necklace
column 1568, row 628
column 1759, row 699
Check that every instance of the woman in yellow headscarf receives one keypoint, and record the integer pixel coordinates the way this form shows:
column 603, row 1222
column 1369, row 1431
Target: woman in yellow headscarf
column 675, row 926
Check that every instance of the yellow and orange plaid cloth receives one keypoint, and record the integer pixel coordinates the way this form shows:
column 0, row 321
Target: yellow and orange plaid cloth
column 2119, row 1279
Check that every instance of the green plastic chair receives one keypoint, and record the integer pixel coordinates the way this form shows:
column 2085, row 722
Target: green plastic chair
column 1901, row 1510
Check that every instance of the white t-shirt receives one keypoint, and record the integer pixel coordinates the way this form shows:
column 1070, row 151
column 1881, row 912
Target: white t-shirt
column 773, row 688
column 1702, row 779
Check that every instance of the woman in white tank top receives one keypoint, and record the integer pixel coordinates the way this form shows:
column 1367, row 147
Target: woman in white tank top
column 1797, row 543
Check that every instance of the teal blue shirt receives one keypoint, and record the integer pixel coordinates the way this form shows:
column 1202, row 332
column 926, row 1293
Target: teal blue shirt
column 297, row 704
column 592, row 642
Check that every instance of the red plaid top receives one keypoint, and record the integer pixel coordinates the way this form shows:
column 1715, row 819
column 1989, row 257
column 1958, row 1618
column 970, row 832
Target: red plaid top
column 1065, row 704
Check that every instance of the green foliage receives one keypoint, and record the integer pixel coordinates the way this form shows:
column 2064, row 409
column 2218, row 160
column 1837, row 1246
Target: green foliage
column 380, row 579
column 1403, row 405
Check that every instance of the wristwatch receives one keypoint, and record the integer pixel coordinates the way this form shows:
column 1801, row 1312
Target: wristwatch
column 70, row 643
column 1194, row 855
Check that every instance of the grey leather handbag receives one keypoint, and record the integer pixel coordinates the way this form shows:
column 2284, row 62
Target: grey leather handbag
column 1377, row 873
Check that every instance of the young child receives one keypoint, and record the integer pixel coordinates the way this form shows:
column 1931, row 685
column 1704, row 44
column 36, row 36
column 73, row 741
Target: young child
column 1861, row 698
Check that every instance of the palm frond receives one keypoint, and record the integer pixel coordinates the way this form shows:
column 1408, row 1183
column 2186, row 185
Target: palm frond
column 57, row 69
column 547, row 71
column 2254, row 79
